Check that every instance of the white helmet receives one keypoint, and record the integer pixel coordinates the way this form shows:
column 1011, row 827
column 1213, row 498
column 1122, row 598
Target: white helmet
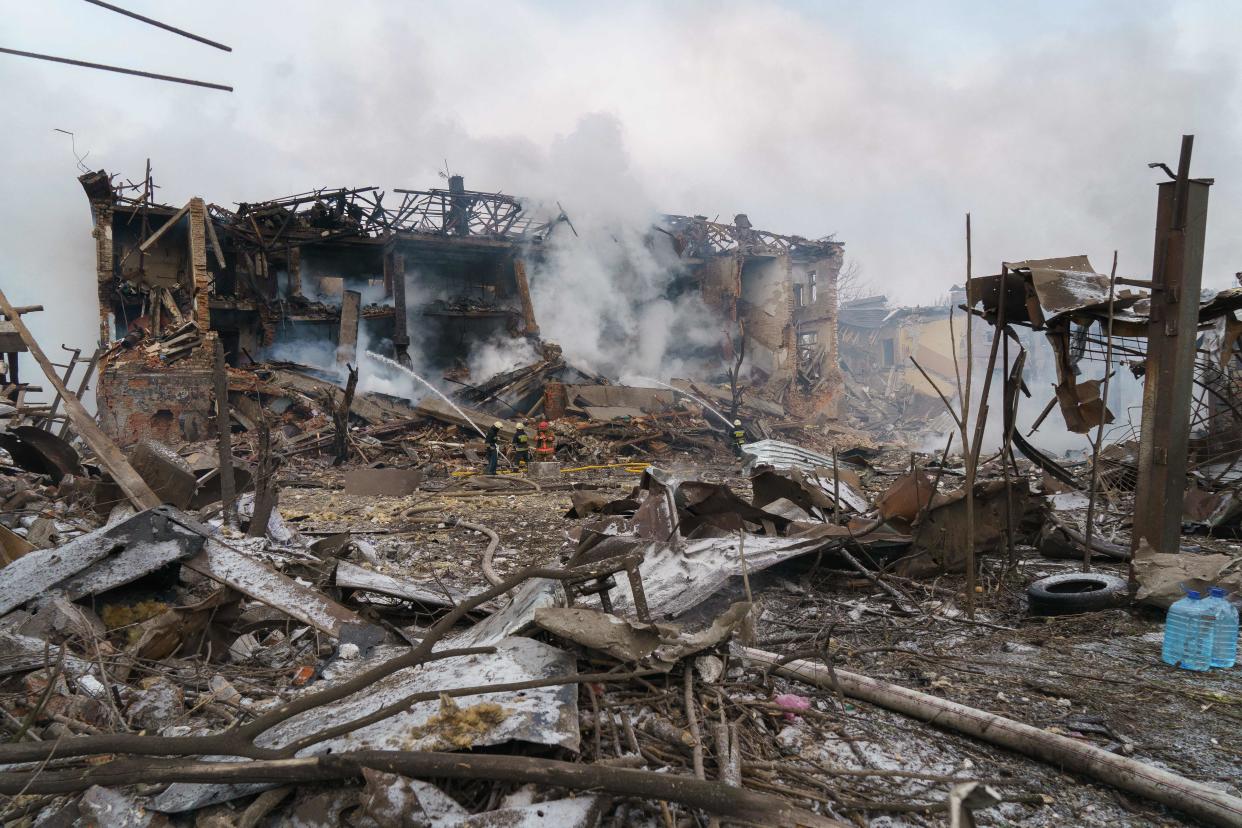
column 737, row 422
column 498, row 424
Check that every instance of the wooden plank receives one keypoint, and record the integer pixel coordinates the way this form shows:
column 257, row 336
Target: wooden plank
column 40, row 570
column 215, row 241
column 154, row 237
column 170, row 306
column 250, row 577
column 347, row 339
column 523, row 289
column 351, row 576
column 437, row 409
column 22, row 653
column 83, row 385
column 370, row 409
column 109, row 456
column 126, row 566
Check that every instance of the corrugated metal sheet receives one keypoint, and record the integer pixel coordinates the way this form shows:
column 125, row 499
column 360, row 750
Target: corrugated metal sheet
column 780, row 455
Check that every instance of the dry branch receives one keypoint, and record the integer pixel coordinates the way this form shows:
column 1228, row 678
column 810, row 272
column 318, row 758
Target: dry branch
column 738, row 804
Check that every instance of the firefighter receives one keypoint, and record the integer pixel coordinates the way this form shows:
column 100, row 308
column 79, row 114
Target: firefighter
column 521, row 446
column 493, row 446
column 738, row 437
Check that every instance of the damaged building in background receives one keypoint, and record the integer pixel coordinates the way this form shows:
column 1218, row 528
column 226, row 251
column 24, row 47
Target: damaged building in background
column 436, row 272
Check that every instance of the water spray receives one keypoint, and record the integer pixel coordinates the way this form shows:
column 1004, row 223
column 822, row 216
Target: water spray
column 391, row 363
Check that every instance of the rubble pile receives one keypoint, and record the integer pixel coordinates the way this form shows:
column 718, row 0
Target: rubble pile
column 393, row 636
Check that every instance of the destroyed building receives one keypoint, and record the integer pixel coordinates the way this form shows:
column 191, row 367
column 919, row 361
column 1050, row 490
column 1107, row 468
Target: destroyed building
column 437, row 271
column 882, row 349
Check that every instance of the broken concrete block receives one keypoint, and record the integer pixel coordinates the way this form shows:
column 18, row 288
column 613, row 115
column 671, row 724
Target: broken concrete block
column 383, row 482
column 223, row 690
column 243, row 647
column 168, row 475
column 158, row 704
column 42, row 533
column 543, row 469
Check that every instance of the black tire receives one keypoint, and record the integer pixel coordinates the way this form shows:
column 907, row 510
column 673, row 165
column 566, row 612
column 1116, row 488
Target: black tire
column 1077, row 592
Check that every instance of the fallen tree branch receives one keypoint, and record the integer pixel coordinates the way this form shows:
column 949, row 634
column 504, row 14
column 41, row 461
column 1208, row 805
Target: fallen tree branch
column 904, row 604
column 738, row 804
column 1186, row 795
column 1098, row 544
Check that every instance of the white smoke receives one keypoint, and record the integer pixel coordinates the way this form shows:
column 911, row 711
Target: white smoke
column 495, row 356
column 603, row 289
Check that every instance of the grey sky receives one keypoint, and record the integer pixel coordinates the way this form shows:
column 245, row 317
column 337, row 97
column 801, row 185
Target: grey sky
column 880, row 122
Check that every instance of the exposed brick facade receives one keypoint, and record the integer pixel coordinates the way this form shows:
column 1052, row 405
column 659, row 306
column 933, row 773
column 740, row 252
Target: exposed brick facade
column 101, row 209
column 139, row 399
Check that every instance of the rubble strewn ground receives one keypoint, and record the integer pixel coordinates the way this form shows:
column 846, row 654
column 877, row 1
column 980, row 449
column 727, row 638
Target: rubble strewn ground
column 179, row 657
column 260, row 592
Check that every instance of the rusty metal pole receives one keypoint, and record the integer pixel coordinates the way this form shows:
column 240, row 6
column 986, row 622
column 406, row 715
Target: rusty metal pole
column 1181, row 221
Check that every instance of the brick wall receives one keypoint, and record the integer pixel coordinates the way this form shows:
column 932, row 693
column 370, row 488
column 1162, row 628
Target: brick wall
column 173, row 404
column 820, row 317
column 102, row 211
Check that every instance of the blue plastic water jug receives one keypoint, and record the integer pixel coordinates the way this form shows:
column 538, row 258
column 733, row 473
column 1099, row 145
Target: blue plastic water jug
column 1189, row 633
column 1225, row 643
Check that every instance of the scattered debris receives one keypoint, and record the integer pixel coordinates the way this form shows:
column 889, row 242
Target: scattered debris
column 264, row 592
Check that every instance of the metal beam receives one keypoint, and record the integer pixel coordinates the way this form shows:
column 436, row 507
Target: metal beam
column 1177, row 269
